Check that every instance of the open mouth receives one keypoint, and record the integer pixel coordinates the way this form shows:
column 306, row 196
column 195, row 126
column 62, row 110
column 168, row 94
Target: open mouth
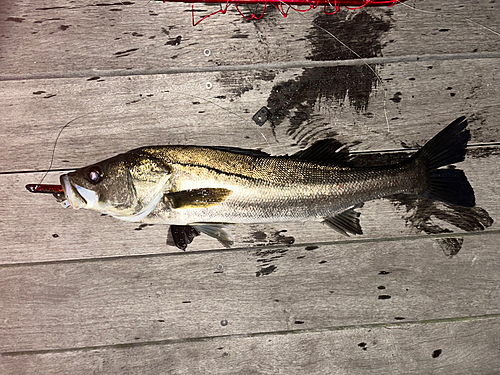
column 73, row 196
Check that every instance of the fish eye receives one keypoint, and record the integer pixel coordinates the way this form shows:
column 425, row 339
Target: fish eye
column 94, row 174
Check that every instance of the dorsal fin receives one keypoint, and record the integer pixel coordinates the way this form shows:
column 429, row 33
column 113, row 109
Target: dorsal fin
column 326, row 151
column 242, row 151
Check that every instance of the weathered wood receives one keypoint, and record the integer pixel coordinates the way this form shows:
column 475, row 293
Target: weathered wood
column 66, row 37
column 422, row 27
column 106, row 302
column 117, row 114
column 296, row 309
column 459, row 347
column 36, row 228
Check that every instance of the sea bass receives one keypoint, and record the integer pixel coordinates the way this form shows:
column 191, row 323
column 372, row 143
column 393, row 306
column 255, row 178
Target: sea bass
column 203, row 189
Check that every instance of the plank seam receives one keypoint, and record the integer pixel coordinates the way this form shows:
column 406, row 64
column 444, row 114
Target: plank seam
column 271, row 247
column 248, row 67
column 392, row 325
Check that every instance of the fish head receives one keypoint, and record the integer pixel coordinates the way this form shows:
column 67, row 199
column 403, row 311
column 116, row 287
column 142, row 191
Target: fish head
column 127, row 186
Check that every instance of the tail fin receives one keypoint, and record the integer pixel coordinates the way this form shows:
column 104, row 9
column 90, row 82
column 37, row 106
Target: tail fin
column 448, row 147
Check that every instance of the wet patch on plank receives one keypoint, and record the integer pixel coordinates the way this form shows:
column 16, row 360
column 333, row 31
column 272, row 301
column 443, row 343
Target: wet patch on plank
column 363, row 33
column 265, row 260
column 421, row 214
column 267, row 236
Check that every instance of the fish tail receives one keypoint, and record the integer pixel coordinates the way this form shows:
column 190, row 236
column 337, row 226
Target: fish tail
column 448, row 147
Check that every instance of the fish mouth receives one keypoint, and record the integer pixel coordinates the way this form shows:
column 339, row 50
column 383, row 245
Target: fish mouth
column 76, row 196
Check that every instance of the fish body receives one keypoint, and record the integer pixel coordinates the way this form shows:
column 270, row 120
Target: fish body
column 262, row 189
column 203, row 189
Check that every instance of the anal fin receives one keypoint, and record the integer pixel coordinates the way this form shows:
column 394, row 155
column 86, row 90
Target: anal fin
column 216, row 231
column 346, row 222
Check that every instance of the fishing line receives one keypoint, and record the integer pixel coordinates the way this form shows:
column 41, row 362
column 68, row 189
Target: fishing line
column 369, row 67
column 483, row 26
column 219, row 106
column 55, row 144
column 384, row 87
column 86, row 114
column 452, row 16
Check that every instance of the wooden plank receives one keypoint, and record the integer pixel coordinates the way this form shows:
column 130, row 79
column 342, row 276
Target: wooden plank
column 66, row 305
column 467, row 347
column 67, row 38
column 36, row 228
column 117, row 114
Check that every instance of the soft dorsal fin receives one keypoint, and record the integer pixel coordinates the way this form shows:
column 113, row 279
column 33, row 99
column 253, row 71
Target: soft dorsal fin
column 327, row 151
column 198, row 198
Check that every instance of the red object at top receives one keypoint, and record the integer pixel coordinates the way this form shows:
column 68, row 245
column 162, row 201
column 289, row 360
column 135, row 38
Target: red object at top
column 283, row 6
column 355, row 3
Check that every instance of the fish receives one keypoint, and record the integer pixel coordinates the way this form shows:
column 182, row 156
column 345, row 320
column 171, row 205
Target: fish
column 197, row 189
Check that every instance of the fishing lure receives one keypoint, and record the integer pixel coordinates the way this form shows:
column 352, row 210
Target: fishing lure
column 44, row 188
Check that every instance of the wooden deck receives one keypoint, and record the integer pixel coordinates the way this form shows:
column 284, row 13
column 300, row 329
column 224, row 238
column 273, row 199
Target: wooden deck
column 418, row 293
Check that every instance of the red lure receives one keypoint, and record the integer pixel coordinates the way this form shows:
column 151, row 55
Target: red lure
column 288, row 4
column 44, row 188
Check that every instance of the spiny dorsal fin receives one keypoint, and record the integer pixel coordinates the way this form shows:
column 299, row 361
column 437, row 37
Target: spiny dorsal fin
column 242, row 151
column 346, row 222
column 327, row 151
column 198, row 198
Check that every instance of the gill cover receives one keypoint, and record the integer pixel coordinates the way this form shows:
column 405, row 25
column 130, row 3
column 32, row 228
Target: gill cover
column 149, row 177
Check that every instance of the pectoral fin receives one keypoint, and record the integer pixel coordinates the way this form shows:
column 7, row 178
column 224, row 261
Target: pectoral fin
column 183, row 235
column 346, row 222
column 198, row 198
column 216, row 231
